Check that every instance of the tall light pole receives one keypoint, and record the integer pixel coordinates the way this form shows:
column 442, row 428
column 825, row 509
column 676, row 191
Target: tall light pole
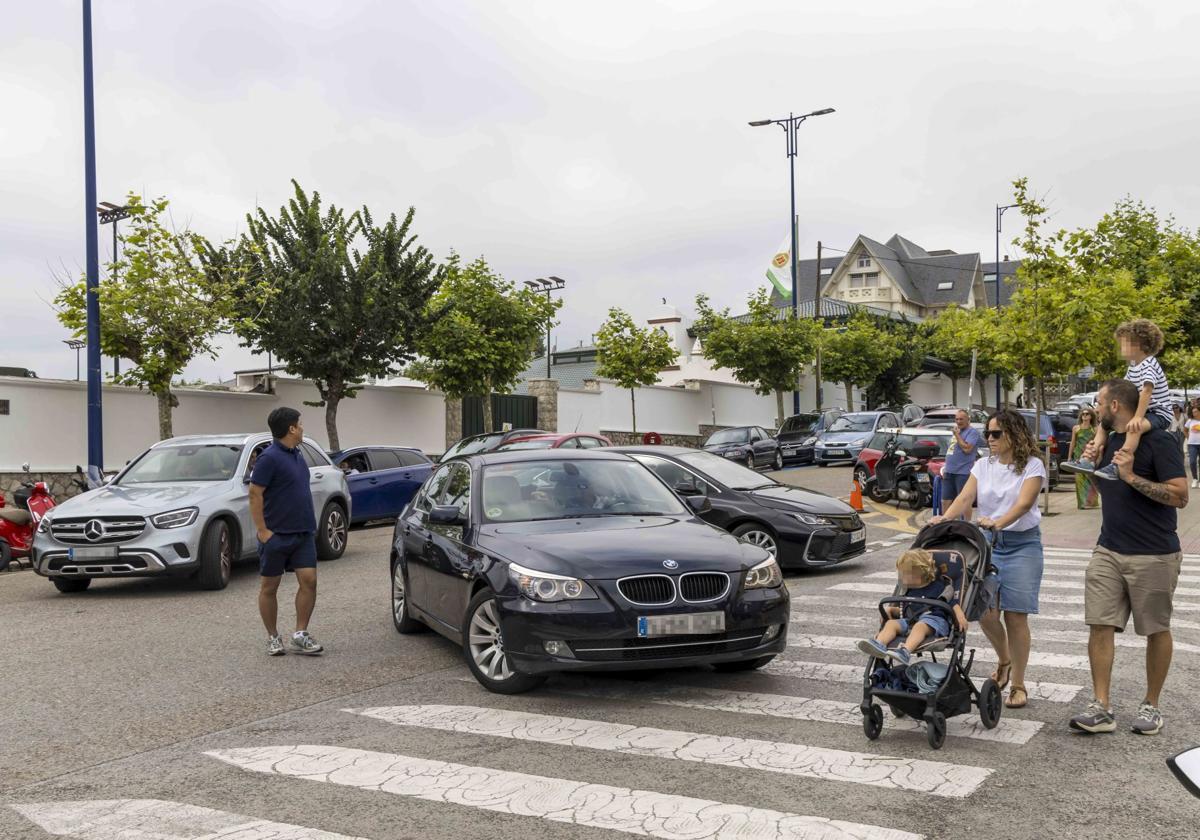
column 95, row 428
column 999, row 217
column 75, row 344
column 791, row 126
column 110, row 214
column 547, row 285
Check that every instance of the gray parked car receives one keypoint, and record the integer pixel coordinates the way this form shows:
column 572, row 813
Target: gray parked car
column 180, row 508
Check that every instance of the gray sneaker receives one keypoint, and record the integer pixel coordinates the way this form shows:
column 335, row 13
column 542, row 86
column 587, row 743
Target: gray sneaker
column 306, row 644
column 1149, row 720
column 1109, row 473
column 275, row 646
column 1095, row 720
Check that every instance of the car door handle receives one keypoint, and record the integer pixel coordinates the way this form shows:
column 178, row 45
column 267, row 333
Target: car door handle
column 318, row 476
column 372, row 480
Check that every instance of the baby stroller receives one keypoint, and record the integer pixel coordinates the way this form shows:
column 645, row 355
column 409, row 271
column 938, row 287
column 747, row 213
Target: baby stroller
column 952, row 542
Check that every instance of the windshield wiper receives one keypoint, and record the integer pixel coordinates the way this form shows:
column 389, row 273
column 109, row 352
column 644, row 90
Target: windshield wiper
column 759, row 486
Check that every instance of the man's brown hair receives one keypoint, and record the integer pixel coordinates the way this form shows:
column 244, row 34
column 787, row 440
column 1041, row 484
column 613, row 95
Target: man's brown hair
column 1144, row 333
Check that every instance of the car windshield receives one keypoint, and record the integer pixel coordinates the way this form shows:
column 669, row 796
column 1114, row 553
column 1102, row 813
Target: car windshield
column 801, row 423
column 472, row 445
column 733, row 476
column 204, row 462
column 729, row 436
column 543, row 443
column 854, row 423
column 570, row 489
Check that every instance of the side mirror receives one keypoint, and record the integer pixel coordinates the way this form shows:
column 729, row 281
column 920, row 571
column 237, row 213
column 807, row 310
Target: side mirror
column 448, row 515
column 1186, row 767
column 687, row 488
column 699, row 504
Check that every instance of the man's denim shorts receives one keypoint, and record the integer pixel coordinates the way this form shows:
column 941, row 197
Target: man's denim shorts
column 286, row 553
column 938, row 624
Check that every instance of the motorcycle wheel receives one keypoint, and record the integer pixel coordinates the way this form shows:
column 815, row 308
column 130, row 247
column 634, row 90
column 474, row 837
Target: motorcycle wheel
column 5, row 555
column 875, row 494
column 918, row 500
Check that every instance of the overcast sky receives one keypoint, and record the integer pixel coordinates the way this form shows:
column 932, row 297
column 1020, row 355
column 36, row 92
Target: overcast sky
column 602, row 142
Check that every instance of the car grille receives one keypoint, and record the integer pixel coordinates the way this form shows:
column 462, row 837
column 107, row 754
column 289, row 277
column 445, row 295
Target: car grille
column 113, row 529
column 703, row 586
column 664, row 647
column 647, row 590
column 846, row 523
column 121, row 564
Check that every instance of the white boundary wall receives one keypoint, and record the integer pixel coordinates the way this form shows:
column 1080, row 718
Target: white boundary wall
column 47, row 420
column 666, row 410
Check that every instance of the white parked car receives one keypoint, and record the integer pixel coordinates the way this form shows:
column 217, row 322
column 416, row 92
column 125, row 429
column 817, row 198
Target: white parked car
column 180, row 508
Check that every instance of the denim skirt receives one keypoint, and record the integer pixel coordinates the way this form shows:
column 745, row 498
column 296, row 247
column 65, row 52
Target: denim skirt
column 1019, row 562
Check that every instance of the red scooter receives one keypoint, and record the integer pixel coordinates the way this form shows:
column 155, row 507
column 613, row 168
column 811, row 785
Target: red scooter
column 19, row 522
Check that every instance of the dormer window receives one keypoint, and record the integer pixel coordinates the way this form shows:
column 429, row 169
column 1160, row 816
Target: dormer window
column 864, row 261
column 945, row 287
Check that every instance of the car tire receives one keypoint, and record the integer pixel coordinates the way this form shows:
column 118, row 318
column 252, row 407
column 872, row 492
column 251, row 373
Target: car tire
column 750, row 465
column 331, row 532
column 63, row 584
column 483, row 647
column 744, row 665
column 778, row 459
column 759, row 535
column 216, row 556
column 822, row 464
column 401, row 619
column 861, row 476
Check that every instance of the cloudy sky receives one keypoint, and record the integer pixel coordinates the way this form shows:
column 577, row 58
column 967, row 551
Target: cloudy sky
column 603, row 142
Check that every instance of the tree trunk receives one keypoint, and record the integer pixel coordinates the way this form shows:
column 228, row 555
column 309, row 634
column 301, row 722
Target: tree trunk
column 166, row 402
column 488, row 420
column 982, row 392
column 849, row 396
column 633, row 407
column 331, row 432
column 954, row 390
column 778, row 408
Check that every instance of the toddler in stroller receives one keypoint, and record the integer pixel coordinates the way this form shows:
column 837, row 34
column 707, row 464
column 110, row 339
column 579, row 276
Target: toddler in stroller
column 930, row 610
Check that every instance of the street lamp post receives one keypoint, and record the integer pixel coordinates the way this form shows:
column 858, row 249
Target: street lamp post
column 547, row 285
column 791, row 126
column 999, row 217
column 95, row 429
column 110, row 214
column 75, row 344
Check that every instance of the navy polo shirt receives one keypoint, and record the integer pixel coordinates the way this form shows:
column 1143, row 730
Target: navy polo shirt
column 287, row 497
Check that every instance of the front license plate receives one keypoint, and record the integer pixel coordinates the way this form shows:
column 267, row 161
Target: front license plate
column 93, row 553
column 859, row 535
column 835, row 451
column 688, row 624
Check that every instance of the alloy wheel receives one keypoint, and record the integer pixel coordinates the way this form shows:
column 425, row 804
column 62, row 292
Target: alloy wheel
column 398, row 593
column 778, row 460
column 336, row 529
column 225, row 552
column 762, row 539
column 487, row 644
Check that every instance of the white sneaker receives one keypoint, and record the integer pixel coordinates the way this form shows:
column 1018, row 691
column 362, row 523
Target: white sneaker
column 1195, row 484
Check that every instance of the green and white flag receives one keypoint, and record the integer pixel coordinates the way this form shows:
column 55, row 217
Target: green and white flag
column 779, row 272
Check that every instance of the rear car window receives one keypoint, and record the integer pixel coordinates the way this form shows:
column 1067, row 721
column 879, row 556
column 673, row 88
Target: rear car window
column 384, row 459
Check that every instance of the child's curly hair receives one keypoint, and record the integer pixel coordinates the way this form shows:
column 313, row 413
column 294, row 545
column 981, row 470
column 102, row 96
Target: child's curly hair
column 918, row 560
column 1144, row 333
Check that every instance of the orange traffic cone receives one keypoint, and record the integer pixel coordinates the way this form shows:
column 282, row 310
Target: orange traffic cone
column 856, row 496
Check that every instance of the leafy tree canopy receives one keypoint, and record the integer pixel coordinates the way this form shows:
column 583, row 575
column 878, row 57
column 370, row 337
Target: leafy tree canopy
column 630, row 355
column 857, row 352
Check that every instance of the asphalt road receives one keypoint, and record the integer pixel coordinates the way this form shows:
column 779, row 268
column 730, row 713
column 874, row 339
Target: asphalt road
column 150, row 706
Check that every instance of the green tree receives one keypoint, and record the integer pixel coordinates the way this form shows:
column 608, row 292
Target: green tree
column 158, row 308
column 890, row 386
column 856, row 353
column 952, row 337
column 1183, row 368
column 335, row 297
column 482, row 335
column 631, row 356
column 769, row 349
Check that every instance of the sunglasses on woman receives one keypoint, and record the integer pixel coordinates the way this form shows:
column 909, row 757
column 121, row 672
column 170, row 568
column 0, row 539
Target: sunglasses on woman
column 994, row 434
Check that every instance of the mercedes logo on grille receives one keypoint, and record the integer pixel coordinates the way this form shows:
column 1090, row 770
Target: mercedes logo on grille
column 93, row 530
column 670, row 564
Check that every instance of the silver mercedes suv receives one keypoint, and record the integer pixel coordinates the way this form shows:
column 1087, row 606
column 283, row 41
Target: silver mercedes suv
column 180, row 508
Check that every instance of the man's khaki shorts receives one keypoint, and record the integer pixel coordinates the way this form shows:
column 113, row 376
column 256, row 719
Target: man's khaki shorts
column 1117, row 585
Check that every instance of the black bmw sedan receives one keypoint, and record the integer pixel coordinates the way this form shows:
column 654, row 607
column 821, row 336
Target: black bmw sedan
column 801, row 528
column 547, row 560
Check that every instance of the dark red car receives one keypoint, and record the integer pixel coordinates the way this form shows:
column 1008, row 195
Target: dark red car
column 548, row 440
column 864, row 467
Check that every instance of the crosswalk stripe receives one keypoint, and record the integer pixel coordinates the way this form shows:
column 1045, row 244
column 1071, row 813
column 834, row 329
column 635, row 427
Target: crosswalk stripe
column 887, row 589
column 934, row 777
column 1009, row 730
column 1053, row 582
column 834, row 672
column 157, row 819
column 627, row 810
column 982, row 654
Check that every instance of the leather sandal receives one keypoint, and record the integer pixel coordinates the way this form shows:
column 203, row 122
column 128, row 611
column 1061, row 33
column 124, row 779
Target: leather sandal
column 1013, row 704
column 1006, row 668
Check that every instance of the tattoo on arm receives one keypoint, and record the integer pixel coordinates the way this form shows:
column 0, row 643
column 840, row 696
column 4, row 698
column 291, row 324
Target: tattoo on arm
column 1153, row 490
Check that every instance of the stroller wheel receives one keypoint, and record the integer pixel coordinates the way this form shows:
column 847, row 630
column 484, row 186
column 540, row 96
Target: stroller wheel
column 873, row 722
column 990, row 704
column 935, row 730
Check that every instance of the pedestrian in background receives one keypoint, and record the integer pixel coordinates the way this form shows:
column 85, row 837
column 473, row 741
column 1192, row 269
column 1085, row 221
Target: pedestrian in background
column 1087, row 496
column 1192, row 426
column 1135, row 565
column 1176, row 427
column 281, row 506
column 1006, row 485
column 960, row 457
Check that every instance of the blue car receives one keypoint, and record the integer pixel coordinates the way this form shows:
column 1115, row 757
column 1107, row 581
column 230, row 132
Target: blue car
column 382, row 479
column 848, row 434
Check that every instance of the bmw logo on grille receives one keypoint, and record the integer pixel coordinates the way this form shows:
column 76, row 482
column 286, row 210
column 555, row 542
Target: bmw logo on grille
column 670, row 564
column 93, row 530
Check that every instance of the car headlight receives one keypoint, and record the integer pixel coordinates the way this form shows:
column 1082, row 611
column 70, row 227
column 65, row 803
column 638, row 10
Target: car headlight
column 812, row 519
column 765, row 575
column 44, row 525
column 544, row 586
column 175, row 518
column 810, row 441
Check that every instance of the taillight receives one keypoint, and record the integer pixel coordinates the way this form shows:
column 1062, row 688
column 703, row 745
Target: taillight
column 1053, row 445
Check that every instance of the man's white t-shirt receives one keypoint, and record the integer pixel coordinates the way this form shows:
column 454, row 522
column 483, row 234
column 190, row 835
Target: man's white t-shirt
column 999, row 488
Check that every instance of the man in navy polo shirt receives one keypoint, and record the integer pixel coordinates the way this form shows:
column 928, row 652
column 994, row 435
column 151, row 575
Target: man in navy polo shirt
column 281, row 506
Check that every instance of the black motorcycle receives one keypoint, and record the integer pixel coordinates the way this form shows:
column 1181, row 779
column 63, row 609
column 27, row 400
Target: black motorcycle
column 903, row 476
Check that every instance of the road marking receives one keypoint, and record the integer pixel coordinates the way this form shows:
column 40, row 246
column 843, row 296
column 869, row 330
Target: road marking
column 849, row 643
column 888, row 589
column 933, row 777
column 157, row 819
column 1056, row 583
column 1009, row 731
column 627, row 810
column 833, row 672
